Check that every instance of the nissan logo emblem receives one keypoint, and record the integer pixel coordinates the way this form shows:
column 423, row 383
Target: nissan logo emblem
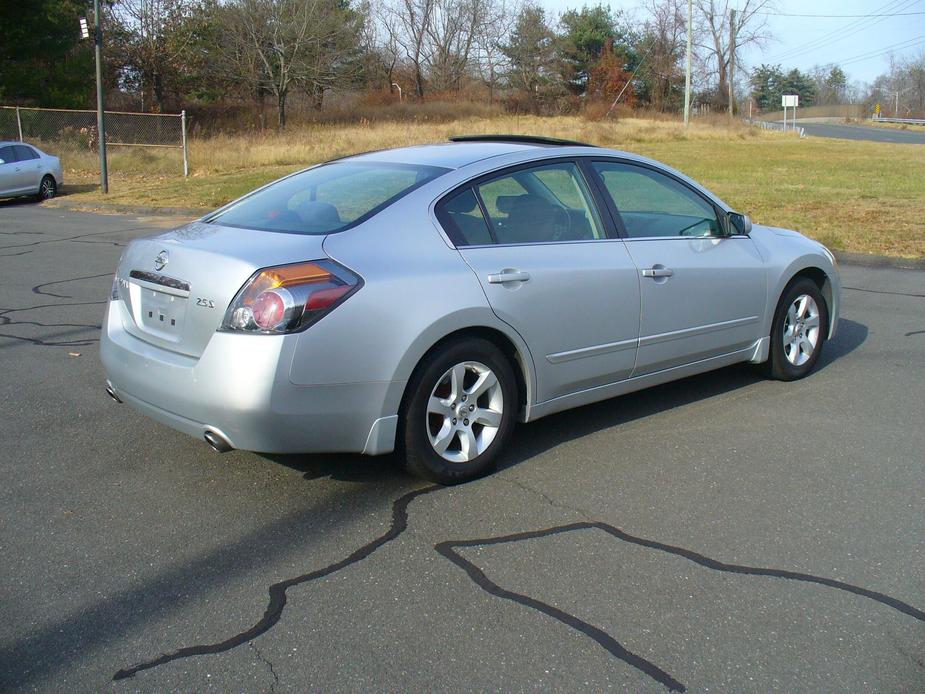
column 161, row 260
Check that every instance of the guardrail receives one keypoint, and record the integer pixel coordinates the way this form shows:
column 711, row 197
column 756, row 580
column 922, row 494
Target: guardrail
column 911, row 121
column 771, row 125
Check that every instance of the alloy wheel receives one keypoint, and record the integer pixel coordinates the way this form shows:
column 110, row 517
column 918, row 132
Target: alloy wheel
column 464, row 411
column 801, row 330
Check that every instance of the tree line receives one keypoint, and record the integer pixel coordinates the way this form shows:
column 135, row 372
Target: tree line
column 162, row 55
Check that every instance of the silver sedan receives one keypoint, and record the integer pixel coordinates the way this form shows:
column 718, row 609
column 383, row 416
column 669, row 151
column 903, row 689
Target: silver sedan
column 27, row 170
column 425, row 299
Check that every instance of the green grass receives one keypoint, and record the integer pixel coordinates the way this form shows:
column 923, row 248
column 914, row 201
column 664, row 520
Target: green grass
column 855, row 196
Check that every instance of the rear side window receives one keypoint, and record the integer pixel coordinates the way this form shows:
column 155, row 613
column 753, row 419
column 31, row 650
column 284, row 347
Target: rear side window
column 543, row 204
column 463, row 220
column 24, row 153
column 546, row 204
column 7, row 155
column 327, row 198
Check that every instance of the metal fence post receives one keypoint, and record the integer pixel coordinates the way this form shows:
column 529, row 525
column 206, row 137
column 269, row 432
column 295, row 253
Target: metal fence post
column 19, row 124
column 185, row 148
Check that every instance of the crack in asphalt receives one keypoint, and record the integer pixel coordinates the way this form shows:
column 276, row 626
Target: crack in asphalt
column 73, row 238
column 915, row 332
column 277, row 591
column 38, row 289
column 880, row 291
column 267, row 662
column 448, row 549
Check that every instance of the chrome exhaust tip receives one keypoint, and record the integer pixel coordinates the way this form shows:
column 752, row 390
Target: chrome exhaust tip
column 217, row 442
column 111, row 393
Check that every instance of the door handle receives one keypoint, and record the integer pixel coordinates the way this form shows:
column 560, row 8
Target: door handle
column 658, row 272
column 508, row 276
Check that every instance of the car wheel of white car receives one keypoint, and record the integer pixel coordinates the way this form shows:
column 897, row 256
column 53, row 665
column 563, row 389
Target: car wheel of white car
column 800, row 326
column 459, row 411
column 48, row 188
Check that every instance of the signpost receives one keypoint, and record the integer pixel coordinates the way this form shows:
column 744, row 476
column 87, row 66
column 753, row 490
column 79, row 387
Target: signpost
column 790, row 101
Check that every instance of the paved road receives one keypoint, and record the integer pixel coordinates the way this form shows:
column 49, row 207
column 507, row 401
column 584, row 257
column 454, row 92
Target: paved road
column 723, row 533
column 861, row 132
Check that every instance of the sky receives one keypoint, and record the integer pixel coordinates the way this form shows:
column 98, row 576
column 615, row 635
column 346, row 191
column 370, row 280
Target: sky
column 802, row 42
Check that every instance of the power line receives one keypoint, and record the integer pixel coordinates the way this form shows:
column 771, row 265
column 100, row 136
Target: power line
column 901, row 46
column 839, row 16
column 844, row 32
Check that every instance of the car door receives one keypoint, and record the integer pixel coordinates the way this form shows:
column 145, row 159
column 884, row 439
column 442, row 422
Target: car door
column 9, row 171
column 551, row 269
column 30, row 167
column 702, row 291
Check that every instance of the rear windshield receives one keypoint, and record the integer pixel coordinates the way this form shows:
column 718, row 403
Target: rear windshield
column 327, row 198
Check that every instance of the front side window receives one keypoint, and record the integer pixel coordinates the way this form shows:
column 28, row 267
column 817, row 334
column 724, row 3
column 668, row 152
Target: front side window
column 652, row 204
column 327, row 198
column 541, row 205
column 7, row 155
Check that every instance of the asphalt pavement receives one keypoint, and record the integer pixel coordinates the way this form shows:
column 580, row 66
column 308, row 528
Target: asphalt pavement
column 722, row 533
column 863, row 132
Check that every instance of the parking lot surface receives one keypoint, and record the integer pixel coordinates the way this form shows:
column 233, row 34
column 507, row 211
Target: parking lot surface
column 722, row 533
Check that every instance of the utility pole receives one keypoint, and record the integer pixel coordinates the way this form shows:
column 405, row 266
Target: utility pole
column 100, row 114
column 732, row 59
column 687, row 77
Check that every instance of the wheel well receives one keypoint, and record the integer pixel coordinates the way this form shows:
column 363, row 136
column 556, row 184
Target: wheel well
column 501, row 341
column 821, row 280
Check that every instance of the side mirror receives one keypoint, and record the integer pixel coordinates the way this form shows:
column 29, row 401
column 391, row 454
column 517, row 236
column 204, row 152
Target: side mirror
column 740, row 223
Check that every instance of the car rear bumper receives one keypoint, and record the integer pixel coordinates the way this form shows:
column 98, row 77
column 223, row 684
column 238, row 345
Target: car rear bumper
column 245, row 395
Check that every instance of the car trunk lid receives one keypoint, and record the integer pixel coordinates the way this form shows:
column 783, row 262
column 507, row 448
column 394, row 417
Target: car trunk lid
column 177, row 286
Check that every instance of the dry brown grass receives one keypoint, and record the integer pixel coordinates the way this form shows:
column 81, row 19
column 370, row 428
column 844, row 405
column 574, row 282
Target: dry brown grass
column 856, row 196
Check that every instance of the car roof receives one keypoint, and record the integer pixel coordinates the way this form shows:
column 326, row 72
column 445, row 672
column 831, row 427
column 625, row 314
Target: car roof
column 450, row 155
column 455, row 155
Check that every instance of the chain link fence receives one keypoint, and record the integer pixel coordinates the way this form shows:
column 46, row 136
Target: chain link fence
column 135, row 142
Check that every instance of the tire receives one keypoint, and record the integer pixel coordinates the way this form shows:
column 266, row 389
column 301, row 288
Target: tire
column 457, row 435
column 48, row 188
column 798, row 334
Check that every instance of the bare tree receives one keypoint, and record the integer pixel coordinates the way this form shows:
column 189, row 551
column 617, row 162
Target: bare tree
column 409, row 26
column 490, row 60
column 664, row 41
column 451, row 34
column 727, row 38
column 294, row 44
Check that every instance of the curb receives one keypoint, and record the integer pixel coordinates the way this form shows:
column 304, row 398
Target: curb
column 844, row 257
column 865, row 260
column 115, row 208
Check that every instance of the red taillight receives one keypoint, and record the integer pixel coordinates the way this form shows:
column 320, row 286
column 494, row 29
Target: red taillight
column 324, row 298
column 268, row 310
column 289, row 298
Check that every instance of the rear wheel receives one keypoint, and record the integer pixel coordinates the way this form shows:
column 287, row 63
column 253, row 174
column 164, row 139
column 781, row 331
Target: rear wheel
column 798, row 333
column 48, row 188
column 459, row 411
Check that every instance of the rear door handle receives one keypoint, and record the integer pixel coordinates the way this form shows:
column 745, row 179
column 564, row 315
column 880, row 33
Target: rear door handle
column 658, row 272
column 508, row 276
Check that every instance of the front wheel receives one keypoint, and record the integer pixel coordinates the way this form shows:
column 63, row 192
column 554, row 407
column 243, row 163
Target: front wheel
column 800, row 326
column 459, row 411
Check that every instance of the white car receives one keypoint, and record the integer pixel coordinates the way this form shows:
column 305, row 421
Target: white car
column 27, row 170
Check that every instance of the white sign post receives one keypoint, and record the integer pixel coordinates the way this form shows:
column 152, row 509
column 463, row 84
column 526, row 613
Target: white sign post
column 792, row 101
